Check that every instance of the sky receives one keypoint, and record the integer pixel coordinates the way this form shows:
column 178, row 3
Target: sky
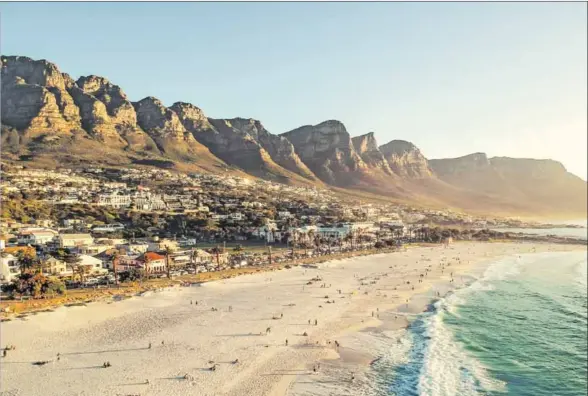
column 507, row 79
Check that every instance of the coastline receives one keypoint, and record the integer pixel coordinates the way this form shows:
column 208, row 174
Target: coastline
column 373, row 340
column 246, row 306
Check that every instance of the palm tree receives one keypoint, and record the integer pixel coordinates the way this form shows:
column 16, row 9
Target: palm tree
column 72, row 261
column 82, row 270
column 167, row 252
column 114, row 267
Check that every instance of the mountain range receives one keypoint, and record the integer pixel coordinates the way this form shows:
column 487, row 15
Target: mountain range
column 50, row 119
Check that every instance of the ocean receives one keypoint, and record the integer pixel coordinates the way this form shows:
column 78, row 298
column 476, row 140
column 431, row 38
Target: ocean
column 520, row 330
column 578, row 233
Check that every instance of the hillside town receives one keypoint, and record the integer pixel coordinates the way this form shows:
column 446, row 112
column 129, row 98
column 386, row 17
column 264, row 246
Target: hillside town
column 91, row 226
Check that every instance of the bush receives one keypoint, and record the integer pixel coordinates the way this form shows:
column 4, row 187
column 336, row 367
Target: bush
column 380, row 245
column 35, row 284
column 56, row 286
column 131, row 275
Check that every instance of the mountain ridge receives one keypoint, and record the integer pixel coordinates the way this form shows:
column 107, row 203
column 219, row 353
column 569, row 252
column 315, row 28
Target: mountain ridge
column 47, row 116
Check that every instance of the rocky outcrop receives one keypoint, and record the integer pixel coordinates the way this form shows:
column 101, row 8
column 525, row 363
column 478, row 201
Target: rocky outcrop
column 242, row 142
column 328, row 152
column 278, row 147
column 191, row 117
column 405, row 159
column 367, row 148
column 35, row 99
column 119, row 111
column 119, row 108
column 95, row 118
column 164, row 126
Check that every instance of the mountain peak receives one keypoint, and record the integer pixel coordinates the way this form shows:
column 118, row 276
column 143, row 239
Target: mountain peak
column 405, row 159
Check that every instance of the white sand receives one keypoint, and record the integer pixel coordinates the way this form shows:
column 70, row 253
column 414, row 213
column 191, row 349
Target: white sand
column 120, row 332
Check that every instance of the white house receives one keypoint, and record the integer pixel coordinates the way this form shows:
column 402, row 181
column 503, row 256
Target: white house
column 38, row 236
column 56, row 267
column 94, row 264
column 114, row 200
column 109, row 228
column 333, row 232
column 238, row 216
column 73, row 240
column 8, row 267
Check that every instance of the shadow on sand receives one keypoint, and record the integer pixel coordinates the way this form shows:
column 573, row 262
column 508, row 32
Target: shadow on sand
column 104, row 351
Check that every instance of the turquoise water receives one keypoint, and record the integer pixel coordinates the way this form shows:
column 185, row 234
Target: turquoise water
column 519, row 330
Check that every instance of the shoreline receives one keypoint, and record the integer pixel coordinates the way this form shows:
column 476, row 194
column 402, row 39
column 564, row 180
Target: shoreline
column 196, row 335
column 18, row 309
column 360, row 362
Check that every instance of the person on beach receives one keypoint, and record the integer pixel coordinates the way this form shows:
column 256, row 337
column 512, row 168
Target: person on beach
column 149, row 347
column 230, row 308
column 162, row 342
column 4, row 353
column 316, row 322
column 286, row 342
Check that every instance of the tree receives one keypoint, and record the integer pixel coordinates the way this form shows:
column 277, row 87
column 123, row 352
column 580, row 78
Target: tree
column 26, row 260
column 35, row 285
column 167, row 253
column 114, row 267
column 380, row 245
column 72, row 261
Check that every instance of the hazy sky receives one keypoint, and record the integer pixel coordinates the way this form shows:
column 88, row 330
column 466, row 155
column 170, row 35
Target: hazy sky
column 454, row 78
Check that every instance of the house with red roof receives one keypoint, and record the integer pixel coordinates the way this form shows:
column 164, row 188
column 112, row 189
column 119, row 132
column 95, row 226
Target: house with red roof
column 152, row 262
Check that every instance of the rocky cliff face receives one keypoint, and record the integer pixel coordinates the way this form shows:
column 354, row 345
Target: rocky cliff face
column 405, row 159
column 278, row 147
column 164, row 126
column 35, row 99
column 367, row 148
column 235, row 148
column 118, row 110
column 328, row 151
column 244, row 143
column 95, row 118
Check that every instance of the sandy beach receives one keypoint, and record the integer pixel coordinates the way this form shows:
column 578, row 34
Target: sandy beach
column 165, row 342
